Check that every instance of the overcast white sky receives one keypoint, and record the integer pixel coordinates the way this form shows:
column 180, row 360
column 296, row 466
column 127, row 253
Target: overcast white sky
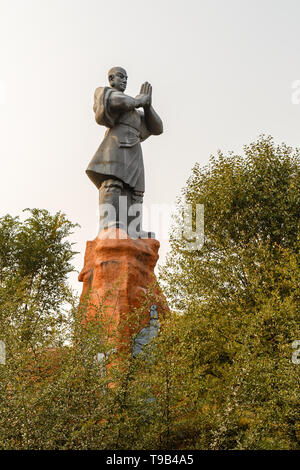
column 221, row 70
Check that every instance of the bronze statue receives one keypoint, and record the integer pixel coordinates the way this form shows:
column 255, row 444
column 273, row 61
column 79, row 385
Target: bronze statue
column 117, row 168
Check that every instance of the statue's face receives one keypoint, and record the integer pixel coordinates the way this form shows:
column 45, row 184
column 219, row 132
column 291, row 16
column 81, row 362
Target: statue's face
column 119, row 80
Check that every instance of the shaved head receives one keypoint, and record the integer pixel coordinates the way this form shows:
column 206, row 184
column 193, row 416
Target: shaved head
column 117, row 77
column 115, row 70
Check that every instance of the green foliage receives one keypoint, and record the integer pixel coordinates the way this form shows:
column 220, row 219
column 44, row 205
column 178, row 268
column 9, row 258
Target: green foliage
column 218, row 376
column 240, row 300
column 35, row 260
column 34, row 265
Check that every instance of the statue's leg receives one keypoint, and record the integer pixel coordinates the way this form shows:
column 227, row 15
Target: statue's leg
column 109, row 204
column 121, row 206
column 135, row 216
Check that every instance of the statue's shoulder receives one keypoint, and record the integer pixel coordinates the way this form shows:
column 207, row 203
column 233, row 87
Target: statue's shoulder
column 101, row 92
column 101, row 108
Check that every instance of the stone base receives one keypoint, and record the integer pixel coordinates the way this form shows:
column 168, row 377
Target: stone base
column 119, row 281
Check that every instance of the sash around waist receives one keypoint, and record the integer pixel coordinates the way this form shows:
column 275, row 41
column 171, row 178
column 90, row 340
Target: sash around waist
column 132, row 129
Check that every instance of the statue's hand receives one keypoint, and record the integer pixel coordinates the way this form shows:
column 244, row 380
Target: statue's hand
column 142, row 100
column 146, row 89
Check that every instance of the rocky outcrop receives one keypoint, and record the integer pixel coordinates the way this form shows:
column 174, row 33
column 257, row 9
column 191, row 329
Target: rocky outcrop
column 119, row 281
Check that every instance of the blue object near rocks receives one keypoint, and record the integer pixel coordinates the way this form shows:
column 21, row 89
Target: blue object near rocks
column 146, row 335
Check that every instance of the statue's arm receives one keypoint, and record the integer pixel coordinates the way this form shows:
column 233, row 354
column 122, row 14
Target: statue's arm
column 120, row 103
column 152, row 120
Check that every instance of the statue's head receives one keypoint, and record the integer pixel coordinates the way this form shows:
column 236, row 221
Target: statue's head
column 117, row 77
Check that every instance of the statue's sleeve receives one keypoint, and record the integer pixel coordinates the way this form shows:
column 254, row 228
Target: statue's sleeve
column 101, row 109
column 145, row 133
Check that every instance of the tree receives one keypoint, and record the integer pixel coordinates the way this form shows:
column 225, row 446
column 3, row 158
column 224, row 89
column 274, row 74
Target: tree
column 34, row 265
column 35, row 259
column 238, row 300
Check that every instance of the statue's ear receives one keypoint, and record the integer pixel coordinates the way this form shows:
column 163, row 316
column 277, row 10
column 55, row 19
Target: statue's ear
column 110, row 79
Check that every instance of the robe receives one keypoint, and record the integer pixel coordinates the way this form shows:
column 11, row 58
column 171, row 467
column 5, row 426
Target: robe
column 120, row 153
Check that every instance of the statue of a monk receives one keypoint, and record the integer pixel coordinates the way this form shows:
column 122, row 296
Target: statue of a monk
column 117, row 168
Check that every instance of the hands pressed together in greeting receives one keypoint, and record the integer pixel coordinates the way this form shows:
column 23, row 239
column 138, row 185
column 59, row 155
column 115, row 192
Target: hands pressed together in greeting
column 144, row 99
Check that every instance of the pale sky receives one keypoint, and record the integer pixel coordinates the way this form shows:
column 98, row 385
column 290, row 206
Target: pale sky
column 221, row 70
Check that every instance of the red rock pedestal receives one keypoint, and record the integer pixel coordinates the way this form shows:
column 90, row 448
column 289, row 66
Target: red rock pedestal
column 118, row 278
